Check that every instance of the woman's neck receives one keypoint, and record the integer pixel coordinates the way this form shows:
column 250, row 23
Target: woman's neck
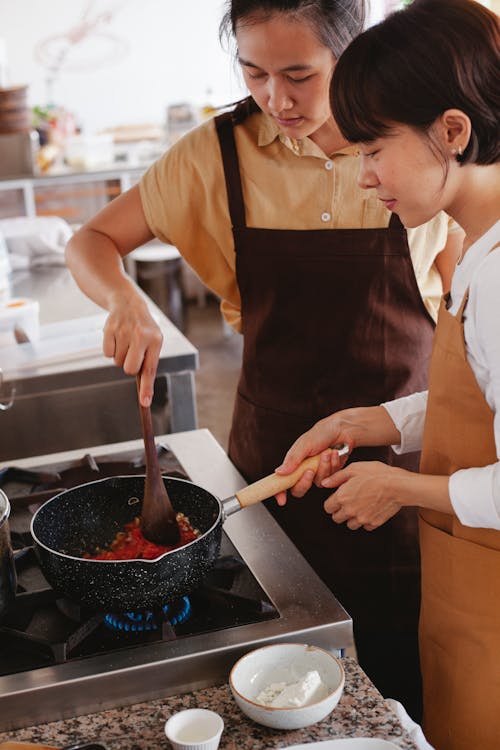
column 476, row 207
column 329, row 138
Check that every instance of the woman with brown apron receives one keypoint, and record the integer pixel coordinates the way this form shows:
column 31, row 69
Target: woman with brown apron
column 292, row 376
column 332, row 296
column 456, row 156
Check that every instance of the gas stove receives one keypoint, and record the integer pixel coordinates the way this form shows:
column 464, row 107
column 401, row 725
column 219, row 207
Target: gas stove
column 59, row 660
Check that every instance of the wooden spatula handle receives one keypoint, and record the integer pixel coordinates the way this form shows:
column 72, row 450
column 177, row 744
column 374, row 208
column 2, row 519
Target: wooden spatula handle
column 152, row 465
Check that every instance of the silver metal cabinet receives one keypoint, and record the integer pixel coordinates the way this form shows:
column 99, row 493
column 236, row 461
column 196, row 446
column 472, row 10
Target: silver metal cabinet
column 88, row 401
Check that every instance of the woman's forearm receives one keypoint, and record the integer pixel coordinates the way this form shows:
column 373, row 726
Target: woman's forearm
column 94, row 254
column 424, row 491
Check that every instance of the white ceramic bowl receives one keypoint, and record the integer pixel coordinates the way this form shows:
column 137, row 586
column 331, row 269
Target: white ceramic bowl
column 288, row 663
column 194, row 729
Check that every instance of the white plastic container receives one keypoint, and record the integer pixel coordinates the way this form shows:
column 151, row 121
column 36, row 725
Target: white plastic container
column 89, row 151
column 22, row 313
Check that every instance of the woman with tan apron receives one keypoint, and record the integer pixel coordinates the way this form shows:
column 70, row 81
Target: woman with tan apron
column 456, row 157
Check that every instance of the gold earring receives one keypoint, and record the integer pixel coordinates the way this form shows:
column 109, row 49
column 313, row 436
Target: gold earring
column 453, row 151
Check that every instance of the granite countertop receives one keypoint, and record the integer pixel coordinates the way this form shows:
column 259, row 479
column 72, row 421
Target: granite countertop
column 361, row 712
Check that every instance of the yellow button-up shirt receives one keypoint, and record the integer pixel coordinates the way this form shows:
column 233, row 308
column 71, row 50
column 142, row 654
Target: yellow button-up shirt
column 287, row 184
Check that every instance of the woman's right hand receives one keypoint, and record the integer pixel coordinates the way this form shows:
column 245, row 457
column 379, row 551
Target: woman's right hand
column 316, row 441
column 354, row 427
column 133, row 339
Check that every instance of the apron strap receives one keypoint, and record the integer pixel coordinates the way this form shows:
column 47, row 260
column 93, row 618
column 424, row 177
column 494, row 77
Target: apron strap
column 225, row 133
column 395, row 222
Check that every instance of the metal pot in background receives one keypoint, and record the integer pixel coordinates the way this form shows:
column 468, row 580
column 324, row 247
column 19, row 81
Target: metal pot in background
column 8, row 580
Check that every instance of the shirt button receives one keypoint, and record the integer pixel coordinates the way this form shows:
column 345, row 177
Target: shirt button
column 328, row 164
column 325, row 216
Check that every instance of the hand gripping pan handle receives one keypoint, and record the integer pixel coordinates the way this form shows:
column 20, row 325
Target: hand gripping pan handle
column 273, row 483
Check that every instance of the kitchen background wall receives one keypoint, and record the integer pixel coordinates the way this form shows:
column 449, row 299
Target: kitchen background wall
column 115, row 62
column 121, row 62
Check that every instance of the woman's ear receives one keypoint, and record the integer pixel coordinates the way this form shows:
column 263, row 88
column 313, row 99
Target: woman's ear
column 456, row 129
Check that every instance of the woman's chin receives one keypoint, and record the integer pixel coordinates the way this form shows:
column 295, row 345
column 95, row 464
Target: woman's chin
column 413, row 219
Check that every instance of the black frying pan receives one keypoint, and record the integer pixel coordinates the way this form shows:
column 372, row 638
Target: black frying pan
column 84, row 518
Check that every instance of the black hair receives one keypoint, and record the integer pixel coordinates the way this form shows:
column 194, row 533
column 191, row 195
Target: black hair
column 417, row 63
column 335, row 22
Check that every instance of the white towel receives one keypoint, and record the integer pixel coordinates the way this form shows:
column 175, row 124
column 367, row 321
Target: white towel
column 413, row 729
column 37, row 241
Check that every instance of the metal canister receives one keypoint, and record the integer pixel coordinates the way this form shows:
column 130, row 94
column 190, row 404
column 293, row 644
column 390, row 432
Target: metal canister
column 8, row 580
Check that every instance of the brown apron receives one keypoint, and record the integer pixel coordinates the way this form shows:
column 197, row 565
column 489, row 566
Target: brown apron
column 333, row 319
column 460, row 617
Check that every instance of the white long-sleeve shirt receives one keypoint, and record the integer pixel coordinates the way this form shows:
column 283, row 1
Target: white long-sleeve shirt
column 480, row 272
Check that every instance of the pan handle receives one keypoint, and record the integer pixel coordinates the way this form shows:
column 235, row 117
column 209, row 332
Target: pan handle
column 273, row 483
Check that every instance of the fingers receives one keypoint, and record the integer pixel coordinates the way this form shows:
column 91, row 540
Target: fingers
column 121, row 352
column 346, row 510
column 335, row 479
column 108, row 343
column 343, row 508
column 304, row 484
column 297, row 453
column 281, row 498
column 134, row 341
column 334, row 507
column 328, row 464
column 146, row 388
column 353, row 524
column 319, row 438
column 147, row 367
column 340, row 514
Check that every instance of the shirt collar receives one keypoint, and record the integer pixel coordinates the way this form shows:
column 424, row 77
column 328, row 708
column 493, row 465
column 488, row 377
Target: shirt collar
column 268, row 132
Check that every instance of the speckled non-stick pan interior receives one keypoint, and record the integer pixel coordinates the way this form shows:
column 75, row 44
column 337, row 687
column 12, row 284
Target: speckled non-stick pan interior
column 87, row 517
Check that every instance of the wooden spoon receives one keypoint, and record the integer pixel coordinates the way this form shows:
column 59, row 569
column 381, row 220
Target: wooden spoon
column 158, row 518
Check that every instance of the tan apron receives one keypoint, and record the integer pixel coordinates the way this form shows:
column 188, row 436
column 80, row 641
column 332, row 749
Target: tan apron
column 460, row 610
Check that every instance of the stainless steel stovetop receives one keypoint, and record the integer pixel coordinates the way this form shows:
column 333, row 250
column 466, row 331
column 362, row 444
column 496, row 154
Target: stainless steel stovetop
column 299, row 607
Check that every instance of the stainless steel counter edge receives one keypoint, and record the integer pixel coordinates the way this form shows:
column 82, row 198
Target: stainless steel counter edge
column 312, row 615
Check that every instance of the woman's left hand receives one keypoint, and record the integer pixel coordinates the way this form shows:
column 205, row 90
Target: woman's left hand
column 367, row 494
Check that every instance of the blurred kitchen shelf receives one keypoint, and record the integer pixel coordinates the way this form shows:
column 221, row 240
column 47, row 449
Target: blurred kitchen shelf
column 71, row 194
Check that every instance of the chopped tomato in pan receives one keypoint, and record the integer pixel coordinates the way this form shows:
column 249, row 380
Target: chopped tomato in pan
column 130, row 544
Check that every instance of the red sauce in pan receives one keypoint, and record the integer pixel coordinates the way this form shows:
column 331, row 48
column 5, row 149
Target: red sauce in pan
column 130, row 544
